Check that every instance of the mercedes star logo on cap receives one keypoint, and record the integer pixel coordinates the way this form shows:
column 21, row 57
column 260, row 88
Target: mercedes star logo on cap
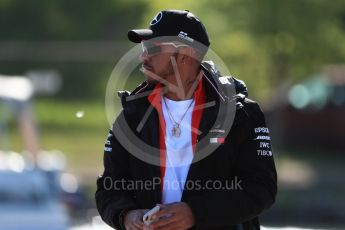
column 157, row 18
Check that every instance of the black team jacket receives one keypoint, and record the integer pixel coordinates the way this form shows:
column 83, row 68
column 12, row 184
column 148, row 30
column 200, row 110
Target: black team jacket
column 227, row 189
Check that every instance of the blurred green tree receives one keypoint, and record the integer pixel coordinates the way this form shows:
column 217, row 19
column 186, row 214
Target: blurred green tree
column 262, row 42
column 81, row 39
column 266, row 42
column 68, row 20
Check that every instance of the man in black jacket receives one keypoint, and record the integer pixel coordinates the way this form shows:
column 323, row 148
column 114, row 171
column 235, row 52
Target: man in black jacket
column 187, row 140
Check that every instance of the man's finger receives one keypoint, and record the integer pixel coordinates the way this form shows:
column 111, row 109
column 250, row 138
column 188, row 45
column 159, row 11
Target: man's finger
column 163, row 221
column 168, row 209
column 145, row 227
column 171, row 226
column 166, row 212
column 138, row 224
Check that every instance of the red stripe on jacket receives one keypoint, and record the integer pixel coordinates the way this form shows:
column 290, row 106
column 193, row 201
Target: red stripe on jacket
column 155, row 98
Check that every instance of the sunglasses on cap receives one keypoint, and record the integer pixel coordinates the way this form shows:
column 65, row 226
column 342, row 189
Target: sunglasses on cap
column 152, row 48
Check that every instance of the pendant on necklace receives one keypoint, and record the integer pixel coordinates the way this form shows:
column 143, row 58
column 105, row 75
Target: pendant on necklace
column 176, row 131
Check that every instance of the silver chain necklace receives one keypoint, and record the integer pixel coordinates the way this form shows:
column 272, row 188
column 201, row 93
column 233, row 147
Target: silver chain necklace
column 176, row 130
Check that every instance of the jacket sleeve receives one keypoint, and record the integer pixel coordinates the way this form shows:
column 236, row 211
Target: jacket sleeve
column 112, row 199
column 255, row 173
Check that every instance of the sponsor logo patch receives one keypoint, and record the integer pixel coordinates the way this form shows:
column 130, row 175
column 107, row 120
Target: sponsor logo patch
column 263, row 138
column 264, row 153
column 157, row 19
column 265, row 145
column 261, row 130
column 217, row 131
column 108, row 149
column 185, row 36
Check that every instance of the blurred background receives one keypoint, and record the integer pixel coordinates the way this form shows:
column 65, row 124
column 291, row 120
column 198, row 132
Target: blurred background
column 57, row 56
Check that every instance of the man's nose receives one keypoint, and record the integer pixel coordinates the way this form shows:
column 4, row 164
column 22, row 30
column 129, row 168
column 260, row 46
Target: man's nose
column 144, row 56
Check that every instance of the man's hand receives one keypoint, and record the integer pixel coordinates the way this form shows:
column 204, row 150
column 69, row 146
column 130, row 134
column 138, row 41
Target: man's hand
column 134, row 219
column 172, row 216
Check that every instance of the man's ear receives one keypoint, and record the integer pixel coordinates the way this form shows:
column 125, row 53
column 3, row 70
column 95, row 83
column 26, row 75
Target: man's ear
column 190, row 55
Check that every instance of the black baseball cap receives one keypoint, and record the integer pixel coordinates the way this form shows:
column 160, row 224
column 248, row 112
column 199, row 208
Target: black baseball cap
column 180, row 25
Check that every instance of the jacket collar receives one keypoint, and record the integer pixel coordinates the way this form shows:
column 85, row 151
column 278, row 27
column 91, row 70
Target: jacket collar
column 214, row 87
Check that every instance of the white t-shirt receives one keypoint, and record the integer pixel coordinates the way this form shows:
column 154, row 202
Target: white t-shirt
column 179, row 151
